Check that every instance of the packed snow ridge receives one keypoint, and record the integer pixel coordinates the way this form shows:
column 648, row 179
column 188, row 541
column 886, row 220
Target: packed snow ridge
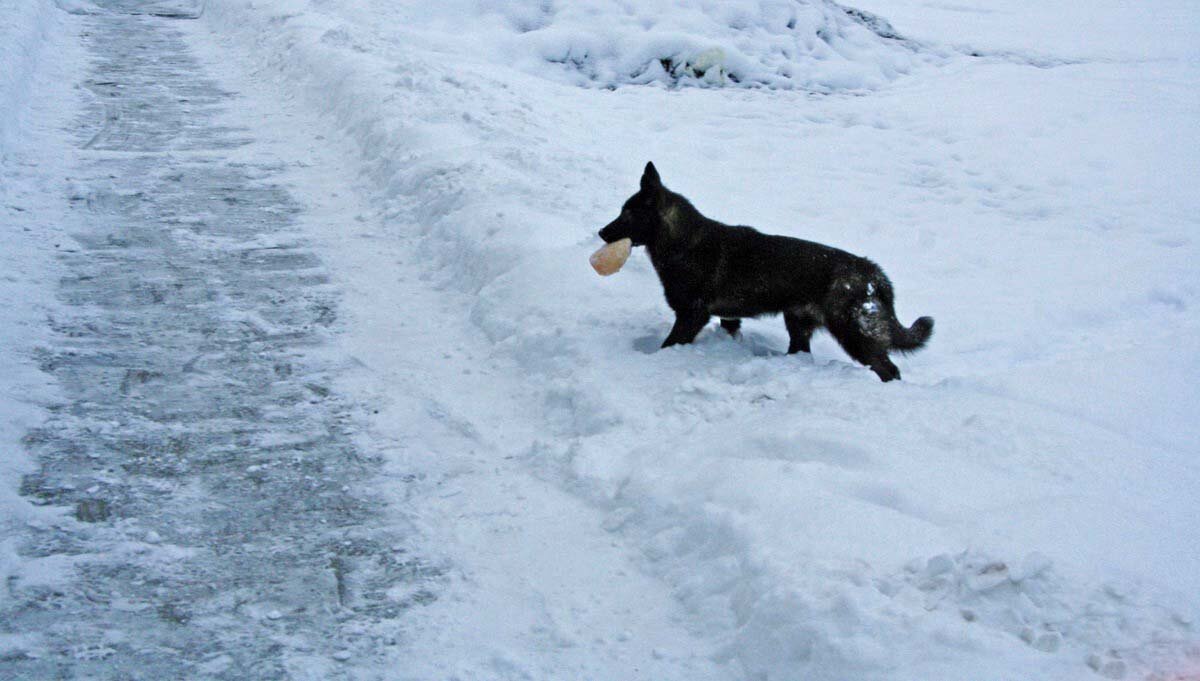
column 812, row 45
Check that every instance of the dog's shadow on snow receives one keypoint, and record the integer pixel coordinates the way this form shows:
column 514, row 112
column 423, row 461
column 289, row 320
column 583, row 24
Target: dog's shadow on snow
column 756, row 344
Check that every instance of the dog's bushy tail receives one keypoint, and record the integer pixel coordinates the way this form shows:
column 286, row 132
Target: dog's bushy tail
column 912, row 338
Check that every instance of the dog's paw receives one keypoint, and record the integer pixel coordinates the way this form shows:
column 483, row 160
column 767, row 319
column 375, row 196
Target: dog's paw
column 886, row 371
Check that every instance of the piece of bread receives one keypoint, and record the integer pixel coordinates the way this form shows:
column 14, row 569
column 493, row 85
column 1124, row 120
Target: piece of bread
column 611, row 257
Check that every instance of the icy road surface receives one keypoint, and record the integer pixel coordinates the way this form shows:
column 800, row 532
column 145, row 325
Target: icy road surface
column 221, row 526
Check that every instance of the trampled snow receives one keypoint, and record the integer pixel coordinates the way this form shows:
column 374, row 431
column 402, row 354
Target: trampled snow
column 1022, row 505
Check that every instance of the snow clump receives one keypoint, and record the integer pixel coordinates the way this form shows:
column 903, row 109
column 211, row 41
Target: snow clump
column 814, row 45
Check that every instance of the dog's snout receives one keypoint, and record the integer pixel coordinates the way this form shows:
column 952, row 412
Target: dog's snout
column 609, row 233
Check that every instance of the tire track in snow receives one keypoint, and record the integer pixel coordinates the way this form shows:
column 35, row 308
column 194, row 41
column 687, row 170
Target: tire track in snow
column 214, row 523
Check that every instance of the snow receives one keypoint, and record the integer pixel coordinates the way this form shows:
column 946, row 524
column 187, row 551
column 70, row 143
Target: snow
column 1104, row 30
column 34, row 89
column 781, row 498
column 813, row 45
column 1022, row 505
column 22, row 33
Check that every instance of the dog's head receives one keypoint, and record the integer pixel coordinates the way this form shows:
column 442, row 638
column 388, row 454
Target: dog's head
column 642, row 215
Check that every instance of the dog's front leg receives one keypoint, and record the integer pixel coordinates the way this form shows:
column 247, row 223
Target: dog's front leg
column 688, row 323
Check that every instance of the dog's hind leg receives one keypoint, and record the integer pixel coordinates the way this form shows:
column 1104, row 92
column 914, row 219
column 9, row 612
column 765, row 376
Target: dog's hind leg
column 884, row 369
column 865, row 349
column 731, row 326
column 800, row 327
column 688, row 323
column 859, row 314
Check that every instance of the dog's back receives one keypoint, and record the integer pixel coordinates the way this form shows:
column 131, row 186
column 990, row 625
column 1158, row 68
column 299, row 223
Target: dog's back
column 766, row 273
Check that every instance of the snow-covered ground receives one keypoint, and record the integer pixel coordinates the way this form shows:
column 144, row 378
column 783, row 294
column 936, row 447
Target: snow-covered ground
column 1022, row 505
column 38, row 62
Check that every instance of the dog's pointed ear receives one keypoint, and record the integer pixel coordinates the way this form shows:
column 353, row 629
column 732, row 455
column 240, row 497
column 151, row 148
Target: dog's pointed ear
column 650, row 179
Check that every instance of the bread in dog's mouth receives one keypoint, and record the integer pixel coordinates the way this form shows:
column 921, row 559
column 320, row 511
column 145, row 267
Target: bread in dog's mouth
column 611, row 257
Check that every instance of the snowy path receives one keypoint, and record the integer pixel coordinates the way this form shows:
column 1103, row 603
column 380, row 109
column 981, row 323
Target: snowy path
column 213, row 504
column 222, row 527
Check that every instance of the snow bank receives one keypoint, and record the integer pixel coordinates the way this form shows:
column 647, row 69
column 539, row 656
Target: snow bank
column 37, row 58
column 815, row 45
column 24, row 30
column 999, row 514
column 808, row 44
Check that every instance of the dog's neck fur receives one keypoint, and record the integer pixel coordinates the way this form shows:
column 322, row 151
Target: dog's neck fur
column 682, row 224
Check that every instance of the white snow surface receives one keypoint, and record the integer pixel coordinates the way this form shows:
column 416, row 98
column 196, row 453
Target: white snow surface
column 25, row 30
column 37, row 61
column 1022, row 505
column 808, row 44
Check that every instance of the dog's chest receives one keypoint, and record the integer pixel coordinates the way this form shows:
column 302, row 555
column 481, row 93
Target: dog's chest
column 732, row 309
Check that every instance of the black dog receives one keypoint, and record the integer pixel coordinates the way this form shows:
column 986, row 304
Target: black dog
column 708, row 268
